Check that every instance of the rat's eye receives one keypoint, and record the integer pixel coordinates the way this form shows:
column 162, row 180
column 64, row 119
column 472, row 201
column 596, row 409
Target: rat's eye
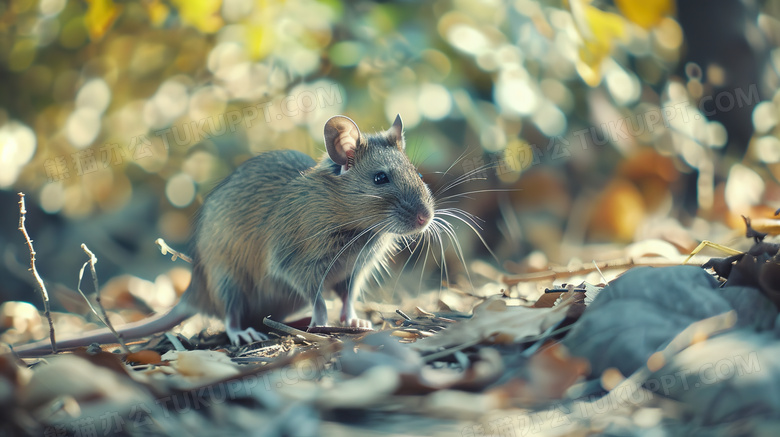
column 381, row 178
column 420, row 175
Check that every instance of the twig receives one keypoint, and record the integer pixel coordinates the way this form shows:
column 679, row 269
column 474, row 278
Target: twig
column 41, row 286
column 402, row 314
column 603, row 278
column 563, row 272
column 446, row 352
column 92, row 261
column 165, row 249
column 463, row 292
column 292, row 331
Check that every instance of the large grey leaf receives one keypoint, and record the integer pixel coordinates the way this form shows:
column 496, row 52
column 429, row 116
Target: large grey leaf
column 725, row 379
column 640, row 312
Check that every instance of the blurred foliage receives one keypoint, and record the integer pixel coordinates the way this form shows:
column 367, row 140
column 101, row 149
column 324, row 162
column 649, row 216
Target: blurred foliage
column 605, row 116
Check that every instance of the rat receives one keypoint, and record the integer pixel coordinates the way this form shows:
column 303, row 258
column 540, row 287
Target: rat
column 283, row 229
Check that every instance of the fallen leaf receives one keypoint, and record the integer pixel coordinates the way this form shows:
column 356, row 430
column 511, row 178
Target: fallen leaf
column 200, row 14
column 371, row 386
column 646, row 13
column 726, row 378
column 202, row 365
column 144, row 357
column 85, row 382
column 553, row 370
column 495, row 317
column 639, row 312
column 600, row 31
column 100, row 16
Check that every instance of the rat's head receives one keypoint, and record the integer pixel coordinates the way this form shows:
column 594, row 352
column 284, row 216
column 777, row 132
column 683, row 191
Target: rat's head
column 378, row 184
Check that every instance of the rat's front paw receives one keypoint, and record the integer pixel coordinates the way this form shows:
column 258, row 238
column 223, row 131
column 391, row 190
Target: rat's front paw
column 359, row 323
column 248, row 336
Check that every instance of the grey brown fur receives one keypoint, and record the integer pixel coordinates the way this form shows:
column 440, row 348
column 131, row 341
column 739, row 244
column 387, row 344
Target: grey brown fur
column 267, row 236
column 283, row 229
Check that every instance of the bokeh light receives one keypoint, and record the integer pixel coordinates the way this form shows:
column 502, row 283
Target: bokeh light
column 169, row 97
column 180, row 190
column 17, row 146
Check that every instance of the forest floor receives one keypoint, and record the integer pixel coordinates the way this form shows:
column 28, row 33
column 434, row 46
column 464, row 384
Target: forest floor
column 607, row 347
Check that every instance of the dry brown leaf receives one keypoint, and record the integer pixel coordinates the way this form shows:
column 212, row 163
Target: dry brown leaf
column 373, row 385
column 204, row 366
column 461, row 405
column 144, row 357
column 553, row 370
column 618, row 212
column 84, row 382
column 495, row 317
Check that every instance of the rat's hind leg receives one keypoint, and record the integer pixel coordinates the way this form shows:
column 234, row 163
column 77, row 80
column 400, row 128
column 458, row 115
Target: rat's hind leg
column 234, row 298
column 238, row 335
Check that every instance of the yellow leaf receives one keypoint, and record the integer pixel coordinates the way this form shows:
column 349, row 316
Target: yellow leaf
column 605, row 28
column 260, row 36
column 599, row 31
column 590, row 74
column 100, row 16
column 646, row 13
column 200, row 14
column 157, row 12
column 259, row 40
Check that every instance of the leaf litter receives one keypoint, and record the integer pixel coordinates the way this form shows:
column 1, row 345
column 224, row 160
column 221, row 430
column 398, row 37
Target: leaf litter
column 658, row 348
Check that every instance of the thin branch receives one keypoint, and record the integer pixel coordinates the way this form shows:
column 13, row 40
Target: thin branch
column 92, row 261
column 292, row 331
column 447, row 352
column 41, row 286
column 564, row 272
column 165, row 249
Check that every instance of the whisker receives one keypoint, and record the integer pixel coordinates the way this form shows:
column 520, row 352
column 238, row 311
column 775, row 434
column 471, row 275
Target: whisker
column 450, row 232
column 468, row 176
column 346, row 246
column 357, row 257
column 422, row 271
column 411, row 255
column 345, row 224
column 444, row 274
column 481, row 239
column 454, row 213
column 459, row 181
column 474, row 227
column 372, row 196
column 467, row 193
column 459, row 159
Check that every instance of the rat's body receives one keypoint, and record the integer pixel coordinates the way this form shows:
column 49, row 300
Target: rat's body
column 283, row 229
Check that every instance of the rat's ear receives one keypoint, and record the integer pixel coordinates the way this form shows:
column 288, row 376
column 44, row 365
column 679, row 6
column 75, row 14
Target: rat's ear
column 341, row 139
column 396, row 132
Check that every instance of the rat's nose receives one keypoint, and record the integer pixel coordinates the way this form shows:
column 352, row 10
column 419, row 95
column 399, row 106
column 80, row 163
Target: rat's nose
column 423, row 218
